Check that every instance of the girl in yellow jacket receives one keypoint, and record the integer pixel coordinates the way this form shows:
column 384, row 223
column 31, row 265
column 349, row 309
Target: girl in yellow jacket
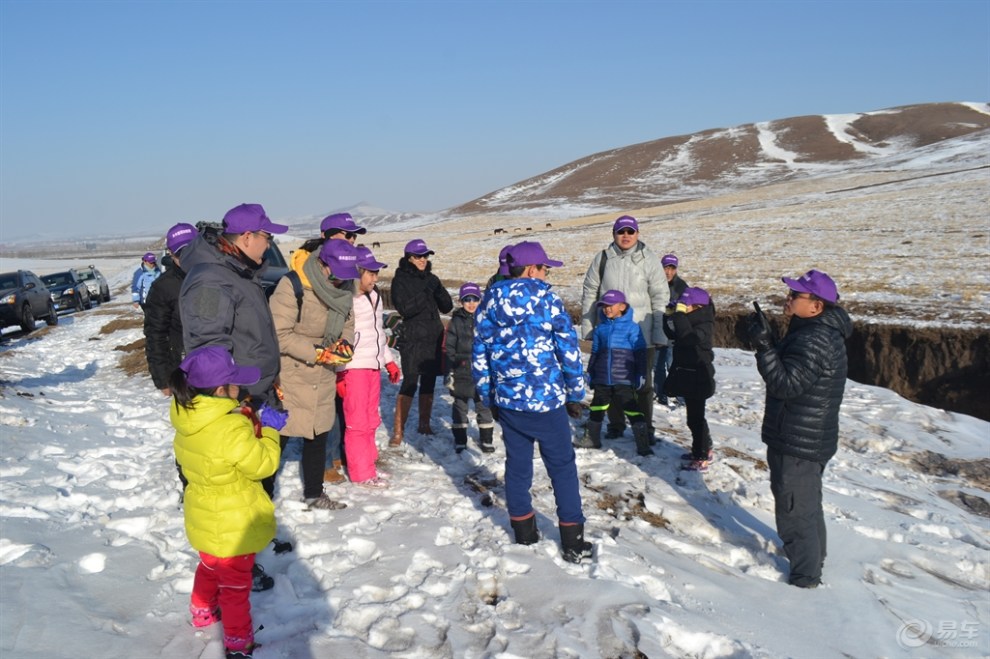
column 224, row 451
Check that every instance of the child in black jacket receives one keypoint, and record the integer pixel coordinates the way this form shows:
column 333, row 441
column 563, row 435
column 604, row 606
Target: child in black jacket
column 692, row 373
column 457, row 350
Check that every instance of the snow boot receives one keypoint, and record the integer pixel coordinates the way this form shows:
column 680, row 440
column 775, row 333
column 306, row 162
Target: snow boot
column 204, row 616
column 592, row 437
column 572, row 543
column 323, row 502
column 525, row 530
column 333, row 475
column 425, row 410
column 260, row 579
column 460, row 439
column 402, row 405
column 641, row 432
column 614, row 432
column 487, row 443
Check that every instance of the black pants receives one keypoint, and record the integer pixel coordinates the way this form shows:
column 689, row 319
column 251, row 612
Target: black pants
column 621, row 397
column 701, row 438
column 644, row 399
column 314, row 458
column 797, row 494
column 422, row 365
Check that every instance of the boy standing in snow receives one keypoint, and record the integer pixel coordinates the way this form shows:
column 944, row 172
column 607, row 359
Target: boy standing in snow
column 143, row 278
column 224, row 451
column 457, row 351
column 527, row 364
column 805, row 376
column 615, row 368
column 692, row 373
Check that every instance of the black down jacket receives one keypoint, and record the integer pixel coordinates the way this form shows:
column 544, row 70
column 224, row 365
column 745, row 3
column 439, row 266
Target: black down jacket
column 420, row 298
column 692, row 373
column 806, row 378
column 163, row 326
column 457, row 350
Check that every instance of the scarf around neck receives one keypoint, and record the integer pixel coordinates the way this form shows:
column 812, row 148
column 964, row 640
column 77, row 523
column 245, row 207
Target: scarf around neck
column 339, row 300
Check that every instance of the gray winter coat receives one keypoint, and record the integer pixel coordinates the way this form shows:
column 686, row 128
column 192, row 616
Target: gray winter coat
column 222, row 303
column 639, row 275
column 806, row 378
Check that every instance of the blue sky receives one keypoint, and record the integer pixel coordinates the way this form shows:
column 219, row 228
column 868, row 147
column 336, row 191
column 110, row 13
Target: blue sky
column 131, row 116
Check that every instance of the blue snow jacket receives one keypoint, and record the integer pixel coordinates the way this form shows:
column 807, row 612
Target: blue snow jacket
column 618, row 351
column 525, row 354
column 141, row 283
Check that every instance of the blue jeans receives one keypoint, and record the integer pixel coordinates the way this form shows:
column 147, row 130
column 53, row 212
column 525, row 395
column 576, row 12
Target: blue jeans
column 520, row 430
column 665, row 357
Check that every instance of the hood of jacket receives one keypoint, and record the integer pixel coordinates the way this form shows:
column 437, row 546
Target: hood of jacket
column 520, row 302
column 409, row 270
column 833, row 317
column 206, row 249
column 206, row 410
column 626, row 317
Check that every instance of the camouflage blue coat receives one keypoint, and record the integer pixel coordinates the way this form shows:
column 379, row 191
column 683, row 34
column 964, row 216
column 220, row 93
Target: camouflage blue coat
column 525, row 352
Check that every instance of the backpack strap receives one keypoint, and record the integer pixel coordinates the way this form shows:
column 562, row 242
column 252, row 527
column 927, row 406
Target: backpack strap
column 297, row 288
column 601, row 277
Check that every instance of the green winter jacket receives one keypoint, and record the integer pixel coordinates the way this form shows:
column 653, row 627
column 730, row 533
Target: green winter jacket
column 227, row 512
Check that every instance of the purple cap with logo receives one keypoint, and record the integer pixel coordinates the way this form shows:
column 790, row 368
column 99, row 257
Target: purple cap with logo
column 212, row 366
column 669, row 259
column 418, row 247
column 341, row 257
column 149, row 257
column 530, row 253
column 610, row 298
column 250, row 217
column 503, row 267
column 367, row 260
column 814, row 282
column 626, row 222
column 179, row 236
column 697, row 296
column 469, row 289
column 341, row 222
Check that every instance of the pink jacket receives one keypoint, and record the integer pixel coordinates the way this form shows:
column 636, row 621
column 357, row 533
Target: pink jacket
column 370, row 348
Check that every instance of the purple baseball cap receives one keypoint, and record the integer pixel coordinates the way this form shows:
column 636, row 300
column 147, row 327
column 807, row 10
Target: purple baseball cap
column 814, row 282
column 694, row 296
column 469, row 289
column 418, row 247
column 341, row 257
column 669, row 259
column 179, row 236
column 367, row 260
column 530, row 253
column 610, row 298
column 626, row 222
column 212, row 366
column 250, row 217
column 503, row 267
column 149, row 257
column 341, row 222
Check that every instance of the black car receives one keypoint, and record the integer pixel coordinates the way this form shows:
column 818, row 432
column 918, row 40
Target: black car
column 68, row 290
column 23, row 297
column 97, row 284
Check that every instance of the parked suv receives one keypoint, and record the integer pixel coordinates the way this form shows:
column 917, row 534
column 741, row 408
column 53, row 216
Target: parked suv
column 23, row 297
column 68, row 290
column 97, row 284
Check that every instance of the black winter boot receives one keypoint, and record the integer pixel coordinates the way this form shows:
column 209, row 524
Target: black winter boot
column 486, row 439
column 460, row 438
column 525, row 530
column 592, row 437
column 641, row 432
column 572, row 544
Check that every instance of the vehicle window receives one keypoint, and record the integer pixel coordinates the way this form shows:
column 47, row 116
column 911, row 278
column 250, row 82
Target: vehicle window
column 274, row 257
column 58, row 279
column 86, row 275
column 8, row 282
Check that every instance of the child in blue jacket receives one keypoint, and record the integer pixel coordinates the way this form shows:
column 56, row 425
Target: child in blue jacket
column 616, row 370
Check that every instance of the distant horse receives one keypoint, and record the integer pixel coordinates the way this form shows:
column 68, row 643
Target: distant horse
column 498, row 231
column 529, row 228
column 548, row 225
column 375, row 245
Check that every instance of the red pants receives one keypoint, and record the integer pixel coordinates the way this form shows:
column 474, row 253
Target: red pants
column 362, row 416
column 226, row 583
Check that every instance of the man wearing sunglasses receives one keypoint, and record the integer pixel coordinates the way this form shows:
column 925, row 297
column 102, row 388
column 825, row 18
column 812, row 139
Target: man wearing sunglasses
column 805, row 377
column 628, row 265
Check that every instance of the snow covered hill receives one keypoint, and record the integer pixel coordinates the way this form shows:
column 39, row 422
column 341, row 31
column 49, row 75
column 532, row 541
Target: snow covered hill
column 94, row 560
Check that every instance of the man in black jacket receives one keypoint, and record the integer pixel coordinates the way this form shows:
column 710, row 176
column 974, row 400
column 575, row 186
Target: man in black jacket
column 162, row 322
column 805, row 376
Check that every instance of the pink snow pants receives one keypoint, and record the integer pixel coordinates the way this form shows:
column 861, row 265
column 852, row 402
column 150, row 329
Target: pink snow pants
column 362, row 415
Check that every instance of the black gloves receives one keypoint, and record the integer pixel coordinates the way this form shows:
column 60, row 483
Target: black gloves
column 758, row 332
column 574, row 410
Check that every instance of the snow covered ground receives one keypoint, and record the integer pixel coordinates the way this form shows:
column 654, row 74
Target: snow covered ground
column 94, row 560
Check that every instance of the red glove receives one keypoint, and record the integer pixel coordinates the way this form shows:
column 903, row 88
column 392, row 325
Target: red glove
column 394, row 374
column 341, row 385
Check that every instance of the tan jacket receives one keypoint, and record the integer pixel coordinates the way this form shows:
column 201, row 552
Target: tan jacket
column 309, row 388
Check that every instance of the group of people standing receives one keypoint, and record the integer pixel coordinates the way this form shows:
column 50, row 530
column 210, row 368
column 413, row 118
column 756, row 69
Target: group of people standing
column 239, row 364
